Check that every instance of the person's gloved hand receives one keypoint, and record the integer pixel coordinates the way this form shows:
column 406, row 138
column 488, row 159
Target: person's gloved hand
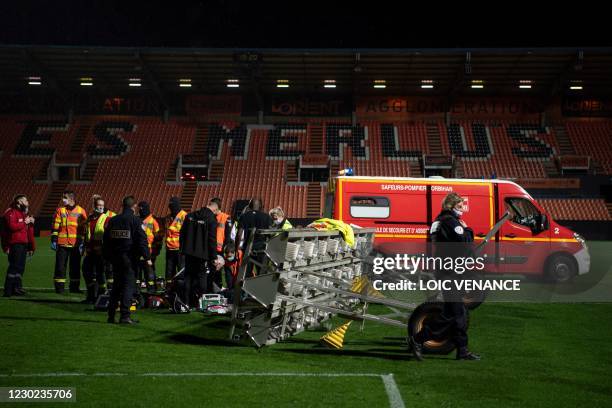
column 54, row 245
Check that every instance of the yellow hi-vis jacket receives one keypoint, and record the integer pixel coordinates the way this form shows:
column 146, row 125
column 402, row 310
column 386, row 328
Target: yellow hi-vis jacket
column 173, row 232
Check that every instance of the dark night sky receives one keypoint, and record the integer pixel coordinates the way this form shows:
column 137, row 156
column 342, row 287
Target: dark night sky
column 266, row 24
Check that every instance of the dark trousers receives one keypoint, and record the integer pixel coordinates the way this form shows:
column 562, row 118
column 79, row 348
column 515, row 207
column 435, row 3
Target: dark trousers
column 252, row 269
column 94, row 271
column 174, row 263
column 452, row 322
column 229, row 278
column 146, row 274
column 14, row 274
column 124, row 280
column 197, row 280
column 62, row 256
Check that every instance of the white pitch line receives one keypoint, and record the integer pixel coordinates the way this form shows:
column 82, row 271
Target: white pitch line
column 260, row 375
column 272, row 374
column 395, row 398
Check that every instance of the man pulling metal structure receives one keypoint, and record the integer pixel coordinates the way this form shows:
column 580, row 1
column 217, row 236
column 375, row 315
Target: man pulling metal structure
column 306, row 277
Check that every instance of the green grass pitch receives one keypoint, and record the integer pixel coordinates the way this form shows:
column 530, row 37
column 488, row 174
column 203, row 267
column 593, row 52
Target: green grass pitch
column 539, row 355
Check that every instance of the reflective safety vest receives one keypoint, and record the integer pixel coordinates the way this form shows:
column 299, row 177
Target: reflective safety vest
column 286, row 225
column 173, row 232
column 151, row 229
column 98, row 232
column 221, row 222
column 68, row 225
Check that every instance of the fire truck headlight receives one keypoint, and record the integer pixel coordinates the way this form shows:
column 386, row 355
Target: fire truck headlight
column 580, row 239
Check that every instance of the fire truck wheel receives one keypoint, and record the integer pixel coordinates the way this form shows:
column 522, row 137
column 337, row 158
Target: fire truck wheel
column 561, row 269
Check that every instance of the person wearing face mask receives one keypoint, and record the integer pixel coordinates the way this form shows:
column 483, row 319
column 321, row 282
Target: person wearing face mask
column 232, row 259
column 17, row 242
column 278, row 219
column 147, row 272
column 452, row 238
column 95, row 268
column 175, row 261
column 69, row 224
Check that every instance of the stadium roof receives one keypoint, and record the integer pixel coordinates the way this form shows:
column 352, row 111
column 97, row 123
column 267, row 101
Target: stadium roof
column 549, row 71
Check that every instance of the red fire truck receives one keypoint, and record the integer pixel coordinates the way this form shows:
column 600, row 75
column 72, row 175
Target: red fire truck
column 402, row 209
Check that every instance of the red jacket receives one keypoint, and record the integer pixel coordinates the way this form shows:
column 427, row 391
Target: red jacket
column 16, row 231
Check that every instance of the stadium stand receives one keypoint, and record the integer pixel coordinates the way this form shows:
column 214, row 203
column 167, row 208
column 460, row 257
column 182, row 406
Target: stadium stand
column 150, row 146
column 27, row 152
column 259, row 176
column 115, row 155
column 587, row 209
column 486, row 148
column 593, row 139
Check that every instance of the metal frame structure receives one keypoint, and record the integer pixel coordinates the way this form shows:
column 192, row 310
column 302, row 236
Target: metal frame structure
column 304, row 278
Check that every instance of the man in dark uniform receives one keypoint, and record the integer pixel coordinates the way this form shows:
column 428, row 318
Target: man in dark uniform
column 254, row 217
column 452, row 238
column 198, row 243
column 124, row 243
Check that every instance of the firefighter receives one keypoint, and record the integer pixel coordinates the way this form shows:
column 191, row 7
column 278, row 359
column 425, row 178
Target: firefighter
column 67, row 241
column 124, row 243
column 224, row 226
column 95, row 267
column 224, row 235
column 198, row 243
column 451, row 237
column 174, row 260
column 18, row 243
column 147, row 272
column 278, row 219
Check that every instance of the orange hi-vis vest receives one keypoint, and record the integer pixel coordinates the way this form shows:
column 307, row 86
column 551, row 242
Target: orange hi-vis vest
column 173, row 232
column 221, row 221
column 68, row 225
column 151, row 229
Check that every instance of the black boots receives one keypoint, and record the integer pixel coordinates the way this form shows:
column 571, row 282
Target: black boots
column 416, row 348
column 417, row 351
column 127, row 320
column 464, row 354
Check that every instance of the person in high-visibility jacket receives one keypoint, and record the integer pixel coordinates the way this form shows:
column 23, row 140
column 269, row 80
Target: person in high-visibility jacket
column 147, row 272
column 279, row 221
column 224, row 226
column 95, row 268
column 67, row 241
column 174, row 222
